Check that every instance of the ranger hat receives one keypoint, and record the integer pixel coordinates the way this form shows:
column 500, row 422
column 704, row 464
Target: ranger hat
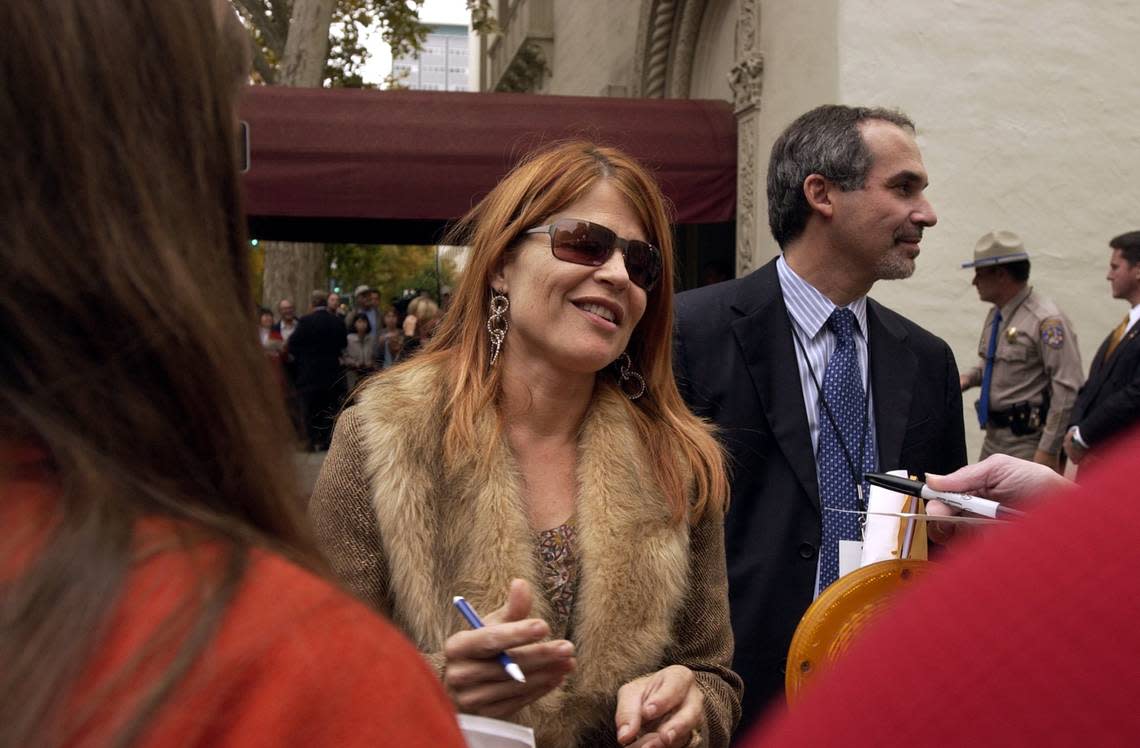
column 997, row 248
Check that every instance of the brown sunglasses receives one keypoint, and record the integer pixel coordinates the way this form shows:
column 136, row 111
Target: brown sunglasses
column 586, row 243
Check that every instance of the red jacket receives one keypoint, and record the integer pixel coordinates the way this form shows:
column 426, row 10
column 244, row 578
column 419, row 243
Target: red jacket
column 294, row 662
column 1029, row 635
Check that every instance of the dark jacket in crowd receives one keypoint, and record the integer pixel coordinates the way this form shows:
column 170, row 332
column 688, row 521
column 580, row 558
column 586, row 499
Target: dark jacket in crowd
column 1110, row 400
column 316, row 345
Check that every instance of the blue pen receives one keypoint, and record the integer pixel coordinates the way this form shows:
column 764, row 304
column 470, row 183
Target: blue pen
column 472, row 617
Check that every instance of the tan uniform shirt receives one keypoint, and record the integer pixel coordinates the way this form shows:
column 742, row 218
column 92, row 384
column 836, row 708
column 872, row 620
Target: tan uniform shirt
column 1037, row 349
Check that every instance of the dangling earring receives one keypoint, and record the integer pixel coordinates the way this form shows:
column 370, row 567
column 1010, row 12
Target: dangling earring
column 627, row 376
column 497, row 323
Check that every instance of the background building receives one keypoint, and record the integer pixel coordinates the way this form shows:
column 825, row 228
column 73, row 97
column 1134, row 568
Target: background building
column 443, row 65
column 1026, row 115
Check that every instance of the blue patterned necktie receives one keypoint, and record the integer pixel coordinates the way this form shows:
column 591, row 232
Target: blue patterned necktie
column 843, row 434
column 988, row 372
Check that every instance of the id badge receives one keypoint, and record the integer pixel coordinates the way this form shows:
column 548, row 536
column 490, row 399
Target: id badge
column 850, row 556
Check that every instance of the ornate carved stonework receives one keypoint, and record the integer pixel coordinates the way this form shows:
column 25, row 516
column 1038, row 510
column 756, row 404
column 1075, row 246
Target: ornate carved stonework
column 667, row 35
column 747, row 28
column 746, row 193
column 747, row 81
column 688, row 31
column 651, row 61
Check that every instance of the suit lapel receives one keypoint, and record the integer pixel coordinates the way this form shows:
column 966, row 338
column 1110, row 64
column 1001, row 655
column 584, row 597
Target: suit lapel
column 764, row 334
column 1126, row 342
column 893, row 367
column 1101, row 367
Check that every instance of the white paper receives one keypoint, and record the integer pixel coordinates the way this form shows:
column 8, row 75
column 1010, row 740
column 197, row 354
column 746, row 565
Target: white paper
column 850, row 551
column 484, row 732
column 881, row 534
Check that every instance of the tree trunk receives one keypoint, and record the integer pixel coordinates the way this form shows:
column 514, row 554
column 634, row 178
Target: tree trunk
column 307, row 46
column 293, row 270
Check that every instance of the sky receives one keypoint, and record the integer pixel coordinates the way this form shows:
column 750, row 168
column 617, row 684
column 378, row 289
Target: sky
column 432, row 11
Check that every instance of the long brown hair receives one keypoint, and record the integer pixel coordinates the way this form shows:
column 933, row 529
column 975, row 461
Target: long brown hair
column 125, row 348
column 543, row 184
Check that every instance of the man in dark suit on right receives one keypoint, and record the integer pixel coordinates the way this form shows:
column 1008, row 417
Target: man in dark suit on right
column 809, row 382
column 1110, row 400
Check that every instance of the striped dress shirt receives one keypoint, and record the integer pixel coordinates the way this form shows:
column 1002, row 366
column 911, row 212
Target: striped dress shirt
column 809, row 310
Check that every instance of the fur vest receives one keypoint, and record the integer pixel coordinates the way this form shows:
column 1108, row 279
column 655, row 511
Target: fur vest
column 456, row 529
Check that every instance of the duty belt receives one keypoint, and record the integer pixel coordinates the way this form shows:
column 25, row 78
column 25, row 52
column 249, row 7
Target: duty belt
column 1022, row 418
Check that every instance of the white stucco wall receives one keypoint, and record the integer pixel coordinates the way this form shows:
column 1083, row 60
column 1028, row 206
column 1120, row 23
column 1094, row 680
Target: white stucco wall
column 594, row 42
column 799, row 41
column 1028, row 116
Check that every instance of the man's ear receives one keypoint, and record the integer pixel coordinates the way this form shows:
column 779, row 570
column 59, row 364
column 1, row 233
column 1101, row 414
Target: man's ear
column 818, row 191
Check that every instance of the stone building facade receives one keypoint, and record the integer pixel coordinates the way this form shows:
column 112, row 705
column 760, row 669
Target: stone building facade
column 1027, row 116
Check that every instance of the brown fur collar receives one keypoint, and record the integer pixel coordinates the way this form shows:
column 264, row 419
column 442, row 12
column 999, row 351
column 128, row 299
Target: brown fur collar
column 448, row 531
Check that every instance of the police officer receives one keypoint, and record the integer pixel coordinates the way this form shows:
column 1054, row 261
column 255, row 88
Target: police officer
column 1030, row 367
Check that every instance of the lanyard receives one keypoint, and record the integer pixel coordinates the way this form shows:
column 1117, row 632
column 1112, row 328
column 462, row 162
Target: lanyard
column 856, row 475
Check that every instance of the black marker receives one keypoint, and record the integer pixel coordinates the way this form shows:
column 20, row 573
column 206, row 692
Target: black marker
column 965, row 502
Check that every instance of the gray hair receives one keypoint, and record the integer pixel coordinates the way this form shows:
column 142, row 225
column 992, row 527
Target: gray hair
column 824, row 141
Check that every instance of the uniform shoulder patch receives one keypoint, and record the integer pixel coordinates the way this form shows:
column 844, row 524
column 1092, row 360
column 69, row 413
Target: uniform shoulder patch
column 1053, row 332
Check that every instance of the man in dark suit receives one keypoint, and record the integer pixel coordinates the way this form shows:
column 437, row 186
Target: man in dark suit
column 846, row 206
column 1110, row 400
column 315, row 346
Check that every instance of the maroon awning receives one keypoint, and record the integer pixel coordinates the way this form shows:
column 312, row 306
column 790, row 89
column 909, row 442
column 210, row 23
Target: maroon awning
column 428, row 156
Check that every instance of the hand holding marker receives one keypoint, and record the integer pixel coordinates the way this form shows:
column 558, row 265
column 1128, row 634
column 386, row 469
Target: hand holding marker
column 965, row 502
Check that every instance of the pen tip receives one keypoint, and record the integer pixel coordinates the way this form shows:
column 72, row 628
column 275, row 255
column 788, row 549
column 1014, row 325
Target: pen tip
column 515, row 672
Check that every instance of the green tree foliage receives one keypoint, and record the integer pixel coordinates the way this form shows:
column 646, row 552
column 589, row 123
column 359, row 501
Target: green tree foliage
column 389, row 268
column 289, row 269
column 268, row 24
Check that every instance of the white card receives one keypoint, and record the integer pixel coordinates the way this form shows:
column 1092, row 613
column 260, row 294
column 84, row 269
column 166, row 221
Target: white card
column 850, row 554
column 881, row 533
column 484, row 732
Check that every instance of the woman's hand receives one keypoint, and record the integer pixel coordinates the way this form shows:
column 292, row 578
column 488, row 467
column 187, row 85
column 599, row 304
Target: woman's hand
column 659, row 710
column 475, row 678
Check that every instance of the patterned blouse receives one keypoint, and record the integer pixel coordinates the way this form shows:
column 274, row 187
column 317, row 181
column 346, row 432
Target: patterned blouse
column 558, row 568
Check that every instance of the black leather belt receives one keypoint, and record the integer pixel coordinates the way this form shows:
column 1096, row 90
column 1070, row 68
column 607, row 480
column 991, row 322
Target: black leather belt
column 1022, row 418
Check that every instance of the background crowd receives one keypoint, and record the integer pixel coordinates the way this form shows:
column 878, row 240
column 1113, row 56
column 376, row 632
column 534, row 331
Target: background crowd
column 316, row 364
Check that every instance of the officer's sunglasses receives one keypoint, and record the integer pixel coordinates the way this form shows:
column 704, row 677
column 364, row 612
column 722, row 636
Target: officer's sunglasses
column 586, row 243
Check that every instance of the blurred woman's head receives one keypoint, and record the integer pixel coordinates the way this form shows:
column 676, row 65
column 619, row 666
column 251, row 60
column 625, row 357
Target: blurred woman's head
column 121, row 215
column 427, row 312
column 265, row 318
column 121, row 228
column 360, row 325
column 391, row 319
